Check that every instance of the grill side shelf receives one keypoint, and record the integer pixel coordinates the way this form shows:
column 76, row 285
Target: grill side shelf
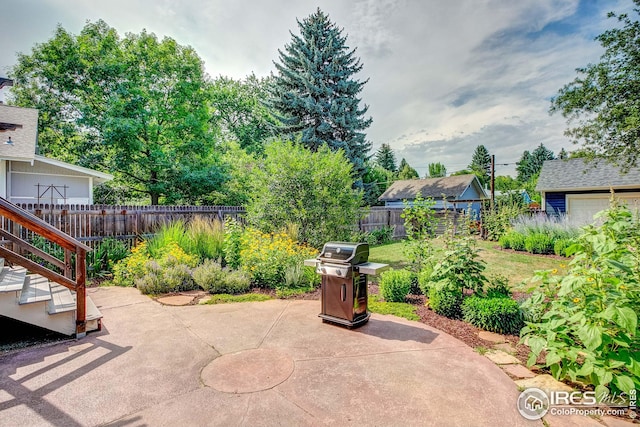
column 371, row 268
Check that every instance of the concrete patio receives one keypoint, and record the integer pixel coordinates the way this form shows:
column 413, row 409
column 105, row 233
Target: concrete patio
column 253, row 364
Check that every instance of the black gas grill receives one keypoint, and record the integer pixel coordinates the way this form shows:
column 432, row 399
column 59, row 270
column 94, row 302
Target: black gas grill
column 344, row 268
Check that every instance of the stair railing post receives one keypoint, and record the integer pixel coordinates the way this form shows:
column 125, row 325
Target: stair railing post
column 81, row 304
column 67, row 264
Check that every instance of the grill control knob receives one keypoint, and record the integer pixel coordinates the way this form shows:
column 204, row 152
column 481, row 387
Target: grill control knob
column 339, row 273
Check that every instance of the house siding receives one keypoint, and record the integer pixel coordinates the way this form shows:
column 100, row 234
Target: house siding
column 555, row 203
column 34, row 183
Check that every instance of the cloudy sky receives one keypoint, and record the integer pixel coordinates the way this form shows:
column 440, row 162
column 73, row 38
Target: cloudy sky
column 444, row 76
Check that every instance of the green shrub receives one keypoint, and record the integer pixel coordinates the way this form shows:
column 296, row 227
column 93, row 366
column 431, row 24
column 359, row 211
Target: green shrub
column 205, row 238
column 103, row 258
column 172, row 232
column 158, row 279
column 497, row 287
column 589, row 330
column 539, row 243
column 497, row 314
column 424, row 280
column 177, row 278
column 379, row 236
column 214, row 279
column 460, row 266
column 232, row 243
column 497, row 221
column 126, row 271
column 395, row 285
column 513, row 240
column 312, row 189
column 420, row 224
column 265, row 257
column 445, row 300
column 560, row 246
column 149, row 284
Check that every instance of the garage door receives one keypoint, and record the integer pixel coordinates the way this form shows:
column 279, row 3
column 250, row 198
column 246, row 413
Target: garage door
column 582, row 207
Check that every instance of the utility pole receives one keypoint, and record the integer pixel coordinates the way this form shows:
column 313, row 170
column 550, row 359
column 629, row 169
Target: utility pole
column 493, row 179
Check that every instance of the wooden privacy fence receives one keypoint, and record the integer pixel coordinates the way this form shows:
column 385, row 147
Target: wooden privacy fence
column 93, row 223
column 380, row 216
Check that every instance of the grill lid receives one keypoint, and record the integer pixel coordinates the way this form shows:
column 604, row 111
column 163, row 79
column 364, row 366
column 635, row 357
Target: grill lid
column 345, row 253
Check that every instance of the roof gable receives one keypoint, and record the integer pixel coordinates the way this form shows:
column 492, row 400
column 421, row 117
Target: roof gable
column 451, row 187
column 577, row 174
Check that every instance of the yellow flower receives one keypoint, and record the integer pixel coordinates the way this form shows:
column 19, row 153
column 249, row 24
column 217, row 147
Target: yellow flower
column 590, row 279
column 623, row 287
column 563, row 265
column 554, row 271
column 576, row 300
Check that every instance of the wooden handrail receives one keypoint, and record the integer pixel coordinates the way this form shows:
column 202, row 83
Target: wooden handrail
column 28, row 246
column 70, row 245
column 35, row 224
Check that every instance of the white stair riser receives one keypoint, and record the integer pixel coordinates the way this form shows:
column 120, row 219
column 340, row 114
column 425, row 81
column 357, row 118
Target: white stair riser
column 37, row 314
column 50, row 306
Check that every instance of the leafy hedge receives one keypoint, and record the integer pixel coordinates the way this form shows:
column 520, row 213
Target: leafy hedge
column 497, row 314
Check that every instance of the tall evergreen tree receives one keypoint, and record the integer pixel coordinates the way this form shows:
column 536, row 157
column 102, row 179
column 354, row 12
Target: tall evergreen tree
column 316, row 95
column 386, row 158
column 481, row 164
column 530, row 164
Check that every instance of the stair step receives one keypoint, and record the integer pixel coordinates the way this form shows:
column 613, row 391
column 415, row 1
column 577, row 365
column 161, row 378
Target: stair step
column 1, row 263
column 36, row 288
column 61, row 299
column 92, row 311
column 12, row 279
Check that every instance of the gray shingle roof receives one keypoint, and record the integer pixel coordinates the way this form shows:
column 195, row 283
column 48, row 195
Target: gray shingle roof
column 576, row 174
column 450, row 186
column 24, row 136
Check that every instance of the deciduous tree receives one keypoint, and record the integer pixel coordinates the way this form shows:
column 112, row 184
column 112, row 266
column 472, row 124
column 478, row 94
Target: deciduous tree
column 602, row 104
column 135, row 106
column 405, row 171
column 313, row 190
column 437, row 170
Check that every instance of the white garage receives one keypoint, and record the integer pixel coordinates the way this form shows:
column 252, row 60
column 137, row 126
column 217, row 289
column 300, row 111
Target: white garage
column 582, row 207
column 580, row 189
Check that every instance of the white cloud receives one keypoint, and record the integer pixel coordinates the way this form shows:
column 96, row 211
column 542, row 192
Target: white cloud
column 443, row 76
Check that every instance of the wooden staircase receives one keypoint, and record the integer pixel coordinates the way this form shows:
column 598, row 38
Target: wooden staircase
column 50, row 299
column 34, row 299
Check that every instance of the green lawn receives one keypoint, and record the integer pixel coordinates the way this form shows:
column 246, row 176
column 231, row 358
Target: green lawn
column 515, row 266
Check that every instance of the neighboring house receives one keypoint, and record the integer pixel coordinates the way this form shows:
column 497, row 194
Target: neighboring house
column 26, row 177
column 581, row 189
column 460, row 187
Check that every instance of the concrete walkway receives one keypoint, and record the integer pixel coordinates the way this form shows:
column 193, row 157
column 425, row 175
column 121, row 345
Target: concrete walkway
column 252, row 364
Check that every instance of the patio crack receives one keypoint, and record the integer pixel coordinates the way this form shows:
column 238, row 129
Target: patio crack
column 275, row 322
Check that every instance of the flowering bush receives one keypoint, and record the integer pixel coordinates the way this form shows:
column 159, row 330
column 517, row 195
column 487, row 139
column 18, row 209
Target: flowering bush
column 132, row 267
column 136, row 265
column 586, row 319
column 266, row 256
